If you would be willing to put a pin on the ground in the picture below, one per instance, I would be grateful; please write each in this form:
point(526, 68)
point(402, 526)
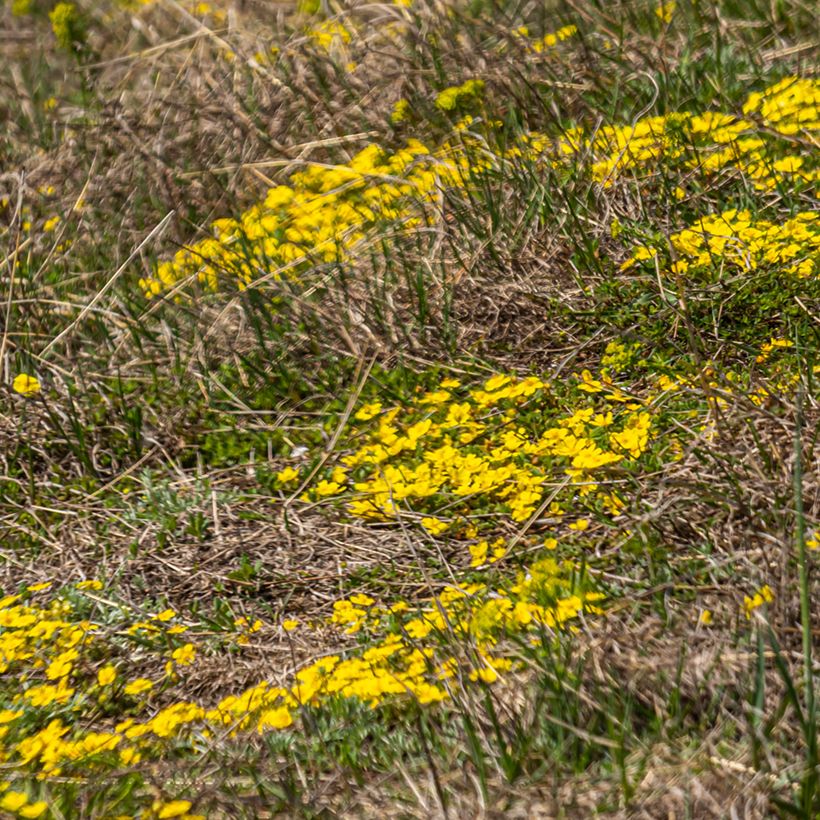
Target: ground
point(409, 409)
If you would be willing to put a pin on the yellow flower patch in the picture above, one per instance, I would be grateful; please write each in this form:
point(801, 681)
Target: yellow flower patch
point(737, 240)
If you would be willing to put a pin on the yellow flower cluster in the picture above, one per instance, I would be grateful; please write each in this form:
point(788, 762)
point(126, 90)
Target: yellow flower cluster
point(736, 239)
point(65, 25)
point(401, 111)
point(553, 38)
point(458, 95)
point(413, 658)
point(320, 217)
point(619, 356)
point(401, 662)
point(326, 211)
point(767, 348)
point(60, 720)
point(58, 717)
point(18, 803)
point(763, 596)
point(329, 35)
point(790, 106)
point(410, 654)
point(467, 450)
point(512, 445)
point(46, 650)
point(713, 141)
point(548, 41)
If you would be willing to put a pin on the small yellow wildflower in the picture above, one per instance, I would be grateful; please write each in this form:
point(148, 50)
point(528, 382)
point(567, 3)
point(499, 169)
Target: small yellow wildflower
point(478, 553)
point(434, 526)
point(763, 596)
point(65, 23)
point(455, 96)
point(279, 718)
point(26, 385)
point(13, 801)
point(287, 475)
point(325, 488)
point(138, 686)
point(130, 756)
point(400, 112)
point(184, 655)
point(665, 11)
point(21, 7)
point(486, 675)
point(175, 808)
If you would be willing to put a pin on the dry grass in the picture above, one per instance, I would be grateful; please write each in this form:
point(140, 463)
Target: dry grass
point(145, 465)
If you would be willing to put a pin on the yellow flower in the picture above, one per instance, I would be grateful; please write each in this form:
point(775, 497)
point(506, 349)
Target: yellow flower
point(706, 617)
point(184, 655)
point(763, 596)
point(138, 686)
point(287, 475)
point(13, 801)
point(665, 11)
point(324, 488)
point(46, 694)
point(130, 756)
point(434, 526)
point(400, 111)
point(478, 553)
point(175, 808)
point(457, 95)
point(33, 809)
point(279, 718)
point(486, 675)
point(368, 411)
point(66, 25)
point(289, 624)
point(106, 675)
point(26, 385)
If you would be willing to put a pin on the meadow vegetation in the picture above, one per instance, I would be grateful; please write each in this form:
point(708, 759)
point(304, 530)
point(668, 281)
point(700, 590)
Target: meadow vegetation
point(409, 409)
